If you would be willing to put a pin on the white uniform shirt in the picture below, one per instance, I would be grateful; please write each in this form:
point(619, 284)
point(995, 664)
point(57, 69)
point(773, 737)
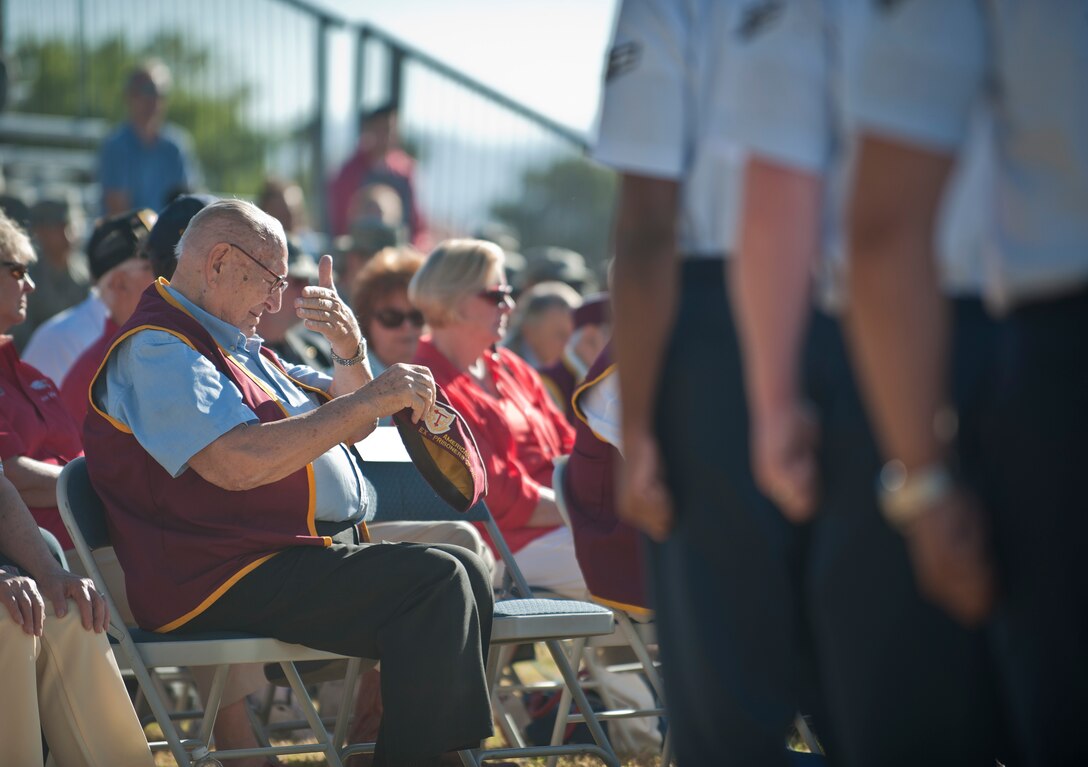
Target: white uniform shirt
point(57, 343)
point(785, 96)
point(922, 67)
point(660, 113)
point(600, 404)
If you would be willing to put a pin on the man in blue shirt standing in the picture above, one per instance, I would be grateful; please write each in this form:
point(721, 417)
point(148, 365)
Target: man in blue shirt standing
point(145, 162)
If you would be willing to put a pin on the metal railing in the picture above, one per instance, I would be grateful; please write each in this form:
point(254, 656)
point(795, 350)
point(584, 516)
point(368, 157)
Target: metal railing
point(252, 82)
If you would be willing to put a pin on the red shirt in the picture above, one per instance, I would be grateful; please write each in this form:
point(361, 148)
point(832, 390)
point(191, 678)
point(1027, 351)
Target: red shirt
point(34, 424)
point(73, 392)
point(519, 434)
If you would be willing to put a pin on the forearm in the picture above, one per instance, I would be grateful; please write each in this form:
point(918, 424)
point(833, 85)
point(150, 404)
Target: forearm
point(770, 279)
point(20, 539)
point(35, 481)
point(898, 319)
point(252, 455)
point(645, 289)
point(348, 378)
point(899, 328)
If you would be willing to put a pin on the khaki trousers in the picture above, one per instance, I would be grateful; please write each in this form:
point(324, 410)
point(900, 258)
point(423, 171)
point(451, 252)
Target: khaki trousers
point(65, 683)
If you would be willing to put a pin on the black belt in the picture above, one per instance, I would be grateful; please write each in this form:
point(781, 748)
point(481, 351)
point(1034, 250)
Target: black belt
point(346, 531)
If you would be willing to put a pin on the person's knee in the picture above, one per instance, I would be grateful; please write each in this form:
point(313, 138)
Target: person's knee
point(435, 567)
point(467, 537)
point(477, 570)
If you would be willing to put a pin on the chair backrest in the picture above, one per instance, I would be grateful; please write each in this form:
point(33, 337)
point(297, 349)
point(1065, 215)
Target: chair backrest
point(558, 478)
point(84, 517)
point(54, 547)
point(400, 493)
point(77, 496)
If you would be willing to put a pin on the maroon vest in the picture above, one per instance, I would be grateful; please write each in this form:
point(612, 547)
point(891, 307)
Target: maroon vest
point(183, 541)
point(609, 551)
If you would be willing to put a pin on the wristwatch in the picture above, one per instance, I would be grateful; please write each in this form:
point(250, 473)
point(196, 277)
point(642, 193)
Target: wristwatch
point(905, 496)
point(359, 357)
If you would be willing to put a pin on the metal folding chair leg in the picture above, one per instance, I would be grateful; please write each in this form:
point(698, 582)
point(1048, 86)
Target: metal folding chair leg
point(577, 648)
point(308, 710)
point(570, 677)
point(347, 702)
point(211, 705)
point(630, 633)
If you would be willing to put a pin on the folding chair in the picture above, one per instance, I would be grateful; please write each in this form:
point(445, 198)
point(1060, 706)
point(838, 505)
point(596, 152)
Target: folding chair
point(401, 494)
point(143, 651)
point(636, 635)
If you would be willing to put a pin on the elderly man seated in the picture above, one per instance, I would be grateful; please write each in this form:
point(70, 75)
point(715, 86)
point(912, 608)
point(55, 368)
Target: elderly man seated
point(232, 487)
point(59, 675)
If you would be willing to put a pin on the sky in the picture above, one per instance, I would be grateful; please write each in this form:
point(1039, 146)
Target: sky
point(546, 54)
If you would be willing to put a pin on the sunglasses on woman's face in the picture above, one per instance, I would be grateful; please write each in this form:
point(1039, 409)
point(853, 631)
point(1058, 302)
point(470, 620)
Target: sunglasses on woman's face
point(394, 318)
point(498, 296)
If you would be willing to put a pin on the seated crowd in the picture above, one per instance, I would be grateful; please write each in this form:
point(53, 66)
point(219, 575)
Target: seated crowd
point(228, 371)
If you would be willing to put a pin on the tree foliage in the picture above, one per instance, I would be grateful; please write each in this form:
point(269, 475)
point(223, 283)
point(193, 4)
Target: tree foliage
point(55, 81)
point(567, 203)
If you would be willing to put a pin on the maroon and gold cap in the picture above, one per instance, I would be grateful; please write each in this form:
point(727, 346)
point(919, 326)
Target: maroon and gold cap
point(444, 451)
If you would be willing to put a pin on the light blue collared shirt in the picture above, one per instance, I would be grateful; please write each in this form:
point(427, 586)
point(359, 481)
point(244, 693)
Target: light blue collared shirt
point(177, 403)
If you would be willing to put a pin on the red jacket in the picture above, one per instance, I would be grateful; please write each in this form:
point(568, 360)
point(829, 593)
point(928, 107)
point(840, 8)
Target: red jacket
point(34, 424)
point(519, 434)
point(183, 542)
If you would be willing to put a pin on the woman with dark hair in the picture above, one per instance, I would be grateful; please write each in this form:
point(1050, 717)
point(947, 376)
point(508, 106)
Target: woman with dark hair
point(391, 325)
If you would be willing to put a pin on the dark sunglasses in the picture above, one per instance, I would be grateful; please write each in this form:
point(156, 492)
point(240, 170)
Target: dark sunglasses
point(498, 296)
point(394, 318)
point(18, 271)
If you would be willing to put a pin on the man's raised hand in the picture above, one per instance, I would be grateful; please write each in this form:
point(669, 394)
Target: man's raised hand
point(322, 310)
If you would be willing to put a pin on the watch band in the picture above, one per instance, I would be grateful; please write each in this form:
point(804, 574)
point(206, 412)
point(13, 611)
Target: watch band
point(906, 496)
point(359, 357)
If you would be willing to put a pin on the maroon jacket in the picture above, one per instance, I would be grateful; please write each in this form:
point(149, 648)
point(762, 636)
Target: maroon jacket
point(609, 551)
point(183, 541)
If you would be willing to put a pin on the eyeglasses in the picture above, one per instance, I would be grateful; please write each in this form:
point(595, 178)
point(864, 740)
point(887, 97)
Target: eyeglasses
point(498, 296)
point(18, 271)
point(279, 284)
point(394, 318)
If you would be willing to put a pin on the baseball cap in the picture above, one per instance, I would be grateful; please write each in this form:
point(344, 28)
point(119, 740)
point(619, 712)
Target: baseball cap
point(550, 263)
point(444, 451)
point(168, 230)
point(595, 310)
point(117, 239)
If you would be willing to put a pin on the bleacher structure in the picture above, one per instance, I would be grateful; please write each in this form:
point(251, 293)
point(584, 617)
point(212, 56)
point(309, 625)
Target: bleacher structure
point(61, 103)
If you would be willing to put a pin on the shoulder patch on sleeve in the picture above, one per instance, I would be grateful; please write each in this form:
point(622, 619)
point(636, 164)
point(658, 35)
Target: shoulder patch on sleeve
point(757, 17)
point(622, 59)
